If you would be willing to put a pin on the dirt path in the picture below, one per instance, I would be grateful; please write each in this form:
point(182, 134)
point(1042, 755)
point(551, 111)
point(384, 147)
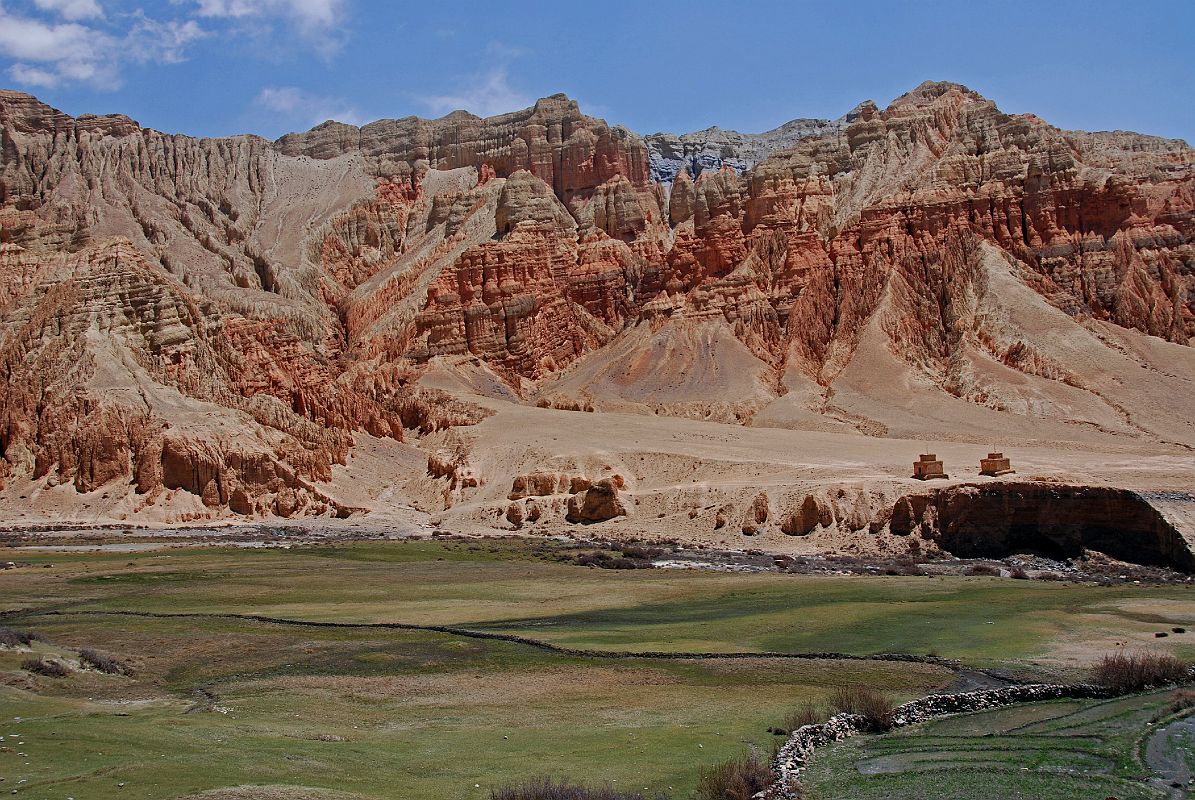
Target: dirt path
point(973, 680)
point(1168, 754)
point(966, 677)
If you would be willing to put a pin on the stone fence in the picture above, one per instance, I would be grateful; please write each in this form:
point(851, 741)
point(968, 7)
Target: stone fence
point(796, 753)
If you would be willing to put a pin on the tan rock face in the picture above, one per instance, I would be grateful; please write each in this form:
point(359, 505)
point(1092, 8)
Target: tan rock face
point(535, 485)
point(757, 514)
point(598, 503)
point(1059, 521)
point(553, 141)
point(166, 299)
point(814, 512)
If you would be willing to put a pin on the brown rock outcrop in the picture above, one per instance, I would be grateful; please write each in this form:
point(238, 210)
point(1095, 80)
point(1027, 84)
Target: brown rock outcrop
point(814, 512)
point(1060, 521)
point(537, 484)
point(756, 515)
point(598, 503)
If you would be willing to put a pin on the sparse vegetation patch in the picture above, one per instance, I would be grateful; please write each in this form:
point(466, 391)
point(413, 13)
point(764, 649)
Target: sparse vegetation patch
point(875, 707)
point(46, 667)
point(734, 779)
point(548, 789)
point(1131, 672)
point(11, 637)
point(101, 662)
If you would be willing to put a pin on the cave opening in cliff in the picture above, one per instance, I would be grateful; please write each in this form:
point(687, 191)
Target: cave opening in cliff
point(1059, 523)
point(1027, 535)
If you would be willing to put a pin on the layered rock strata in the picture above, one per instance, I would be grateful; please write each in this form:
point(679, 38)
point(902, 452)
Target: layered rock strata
point(258, 304)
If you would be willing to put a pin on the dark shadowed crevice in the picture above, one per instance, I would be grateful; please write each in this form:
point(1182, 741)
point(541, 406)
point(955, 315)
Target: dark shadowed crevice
point(996, 520)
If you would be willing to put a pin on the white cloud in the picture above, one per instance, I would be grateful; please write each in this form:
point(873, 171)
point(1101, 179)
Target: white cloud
point(161, 42)
point(294, 106)
point(62, 52)
point(54, 42)
point(487, 94)
point(305, 12)
point(37, 41)
point(45, 54)
point(72, 9)
point(321, 22)
point(33, 76)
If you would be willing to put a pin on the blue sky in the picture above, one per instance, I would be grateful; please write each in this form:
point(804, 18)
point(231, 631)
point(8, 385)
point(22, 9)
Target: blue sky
point(217, 67)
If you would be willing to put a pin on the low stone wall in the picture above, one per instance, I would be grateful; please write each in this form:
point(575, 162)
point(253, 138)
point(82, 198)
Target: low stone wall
point(796, 753)
point(936, 705)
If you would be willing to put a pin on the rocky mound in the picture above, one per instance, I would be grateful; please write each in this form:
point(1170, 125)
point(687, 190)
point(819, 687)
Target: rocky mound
point(713, 148)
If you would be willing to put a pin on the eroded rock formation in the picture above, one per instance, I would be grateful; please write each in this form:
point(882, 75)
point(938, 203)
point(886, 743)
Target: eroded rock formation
point(598, 503)
point(1057, 521)
point(222, 316)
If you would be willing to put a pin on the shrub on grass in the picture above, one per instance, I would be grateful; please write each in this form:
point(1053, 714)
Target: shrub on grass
point(983, 569)
point(734, 779)
point(1018, 573)
point(594, 559)
point(642, 553)
point(1181, 700)
point(101, 662)
point(875, 707)
point(11, 637)
point(1132, 672)
point(905, 566)
point(805, 714)
point(548, 789)
point(46, 667)
point(606, 561)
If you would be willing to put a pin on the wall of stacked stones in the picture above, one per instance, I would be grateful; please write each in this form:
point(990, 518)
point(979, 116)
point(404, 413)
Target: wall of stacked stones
point(796, 753)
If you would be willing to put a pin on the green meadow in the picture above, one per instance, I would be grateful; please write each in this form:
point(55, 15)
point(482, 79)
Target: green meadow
point(220, 701)
point(1060, 750)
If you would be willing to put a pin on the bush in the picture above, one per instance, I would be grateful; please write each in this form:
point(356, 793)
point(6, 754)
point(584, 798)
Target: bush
point(547, 789)
point(606, 561)
point(46, 667)
point(875, 707)
point(101, 662)
point(735, 779)
point(1132, 672)
point(1018, 573)
point(643, 553)
point(1181, 701)
point(905, 566)
point(805, 714)
point(11, 637)
point(594, 559)
point(983, 569)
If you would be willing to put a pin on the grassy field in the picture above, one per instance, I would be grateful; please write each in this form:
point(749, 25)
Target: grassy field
point(216, 702)
point(1053, 751)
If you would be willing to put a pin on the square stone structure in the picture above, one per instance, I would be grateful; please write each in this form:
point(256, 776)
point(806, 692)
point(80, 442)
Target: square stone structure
point(927, 467)
point(995, 464)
